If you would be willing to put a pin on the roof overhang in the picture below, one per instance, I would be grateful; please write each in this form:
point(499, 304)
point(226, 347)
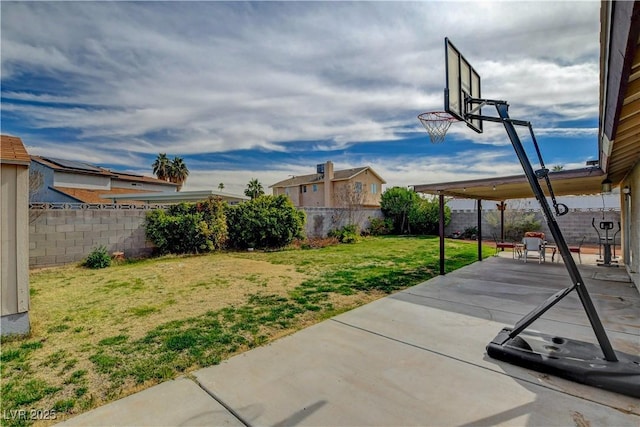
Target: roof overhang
point(177, 197)
point(569, 182)
point(619, 137)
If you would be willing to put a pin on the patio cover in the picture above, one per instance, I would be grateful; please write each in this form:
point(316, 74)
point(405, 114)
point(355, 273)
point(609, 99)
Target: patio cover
point(564, 183)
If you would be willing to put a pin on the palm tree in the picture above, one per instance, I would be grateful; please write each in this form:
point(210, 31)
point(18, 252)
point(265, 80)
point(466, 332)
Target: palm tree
point(254, 189)
point(162, 167)
point(557, 168)
point(221, 186)
point(178, 172)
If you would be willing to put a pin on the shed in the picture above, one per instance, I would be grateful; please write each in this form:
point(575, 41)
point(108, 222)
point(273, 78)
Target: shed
point(14, 236)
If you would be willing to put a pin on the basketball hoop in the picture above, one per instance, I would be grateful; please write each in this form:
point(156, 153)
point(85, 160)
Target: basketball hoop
point(437, 124)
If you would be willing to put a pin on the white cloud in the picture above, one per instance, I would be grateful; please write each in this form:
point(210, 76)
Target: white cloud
point(210, 77)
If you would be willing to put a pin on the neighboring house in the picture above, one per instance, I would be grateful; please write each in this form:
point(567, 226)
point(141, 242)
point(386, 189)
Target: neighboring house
point(177, 197)
point(333, 189)
point(67, 181)
point(14, 226)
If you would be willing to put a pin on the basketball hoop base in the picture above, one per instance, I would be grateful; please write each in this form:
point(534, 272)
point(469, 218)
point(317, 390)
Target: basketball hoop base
point(574, 360)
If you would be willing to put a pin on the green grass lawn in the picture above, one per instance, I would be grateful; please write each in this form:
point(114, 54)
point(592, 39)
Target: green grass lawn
point(98, 335)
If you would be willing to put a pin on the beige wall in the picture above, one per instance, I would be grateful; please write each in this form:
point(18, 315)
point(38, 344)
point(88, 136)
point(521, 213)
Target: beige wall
point(370, 199)
point(14, 269)
point(312, 198)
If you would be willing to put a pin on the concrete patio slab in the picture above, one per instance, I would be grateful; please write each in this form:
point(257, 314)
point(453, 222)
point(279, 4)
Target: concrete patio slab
point(173, 403)
point(338, 375)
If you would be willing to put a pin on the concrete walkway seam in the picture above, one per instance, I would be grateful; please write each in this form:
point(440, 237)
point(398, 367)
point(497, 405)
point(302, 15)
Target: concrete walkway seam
point(221, 402)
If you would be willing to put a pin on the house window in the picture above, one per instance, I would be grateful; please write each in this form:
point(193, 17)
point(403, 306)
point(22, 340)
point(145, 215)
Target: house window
point(286, 191)
point(303, 188)
point(358, 187)
point(374, 188)
point(315, 188)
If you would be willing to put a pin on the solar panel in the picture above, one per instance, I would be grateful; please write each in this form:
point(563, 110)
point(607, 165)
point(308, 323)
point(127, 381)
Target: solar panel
point(70, 164)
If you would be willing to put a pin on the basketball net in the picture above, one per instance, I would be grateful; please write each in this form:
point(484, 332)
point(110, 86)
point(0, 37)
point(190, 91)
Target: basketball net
point(437, 124)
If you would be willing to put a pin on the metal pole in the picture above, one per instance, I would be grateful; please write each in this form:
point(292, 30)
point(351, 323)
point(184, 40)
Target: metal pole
point(596, 324)
point(502, 207)
point(479, 235)
point(441, 232)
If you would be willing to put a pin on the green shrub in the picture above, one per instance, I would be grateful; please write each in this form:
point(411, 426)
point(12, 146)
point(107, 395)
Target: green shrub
point(470, 233)
point(266, 222)
point(409, 213)
point(98, 258)
point(424, 216)
point(188, 227)
point(347, 234)
point(396, 203)
point(380, 226)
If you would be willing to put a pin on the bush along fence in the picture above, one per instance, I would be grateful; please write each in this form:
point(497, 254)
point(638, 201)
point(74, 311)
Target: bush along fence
point(66, 233)
point(575, 225)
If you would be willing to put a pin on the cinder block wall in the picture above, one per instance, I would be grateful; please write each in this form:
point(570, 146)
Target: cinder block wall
point(322, 220)
point(62, 236)
point(574, 225)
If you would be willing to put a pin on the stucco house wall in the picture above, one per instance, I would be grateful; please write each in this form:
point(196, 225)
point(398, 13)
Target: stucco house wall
point(74, 180)
point(312, 195)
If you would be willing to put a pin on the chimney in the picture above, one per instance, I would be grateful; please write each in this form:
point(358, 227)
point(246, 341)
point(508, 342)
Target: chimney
point(328, 185)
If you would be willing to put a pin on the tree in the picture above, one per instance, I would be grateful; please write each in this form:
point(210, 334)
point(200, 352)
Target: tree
point(516, 221)
point(557, 168)
point(178, 172)
point(350, 197)
point(396, 203)
point(162, 166)
point(254, 189)
point(424, 216)
point(221, 186)
point(36, 182)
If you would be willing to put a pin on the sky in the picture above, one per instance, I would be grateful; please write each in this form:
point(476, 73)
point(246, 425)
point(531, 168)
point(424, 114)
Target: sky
point(266, 90)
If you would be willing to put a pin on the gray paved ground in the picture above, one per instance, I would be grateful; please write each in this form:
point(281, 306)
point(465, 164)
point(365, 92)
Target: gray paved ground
point(413, 358)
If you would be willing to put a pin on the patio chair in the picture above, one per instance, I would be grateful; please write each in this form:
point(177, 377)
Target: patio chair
point(578, 249)
point(533, 244)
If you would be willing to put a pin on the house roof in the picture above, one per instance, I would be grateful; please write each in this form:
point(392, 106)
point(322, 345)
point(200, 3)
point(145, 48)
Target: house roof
point(340, 175)
point(97, 196)
point(12, 151)
point(140, 178)
point(72, 166)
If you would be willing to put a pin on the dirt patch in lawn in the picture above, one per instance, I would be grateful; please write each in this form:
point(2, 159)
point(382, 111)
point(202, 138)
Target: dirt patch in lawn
point(147, 294)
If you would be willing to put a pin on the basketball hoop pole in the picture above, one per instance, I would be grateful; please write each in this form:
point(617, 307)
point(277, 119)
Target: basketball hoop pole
point(577, 283)
point(579, 362)
point(568, 358)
